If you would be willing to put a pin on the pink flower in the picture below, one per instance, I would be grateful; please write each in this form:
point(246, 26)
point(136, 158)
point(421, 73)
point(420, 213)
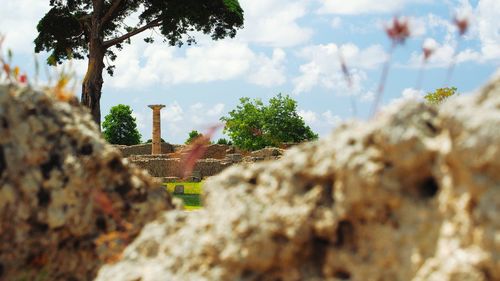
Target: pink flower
point(398, 31)
point(23, 79)
point(428, 48)
point(462, 24)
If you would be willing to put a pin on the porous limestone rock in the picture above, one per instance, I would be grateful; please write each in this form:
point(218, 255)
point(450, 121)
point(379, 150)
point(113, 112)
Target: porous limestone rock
point(68, 201)
point(412, 195)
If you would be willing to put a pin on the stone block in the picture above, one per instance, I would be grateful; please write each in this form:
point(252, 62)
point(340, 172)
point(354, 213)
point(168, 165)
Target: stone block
point(234, 157)
point(179, 189)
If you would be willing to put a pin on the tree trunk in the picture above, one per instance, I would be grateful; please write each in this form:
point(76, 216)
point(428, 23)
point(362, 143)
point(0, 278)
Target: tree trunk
point(92, 83)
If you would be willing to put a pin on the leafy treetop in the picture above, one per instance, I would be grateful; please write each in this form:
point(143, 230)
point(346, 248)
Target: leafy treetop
point(440, 95)
point(253, 125)
point(192, 136)
point(224, 141)
point(119, 126)
point(70, 25)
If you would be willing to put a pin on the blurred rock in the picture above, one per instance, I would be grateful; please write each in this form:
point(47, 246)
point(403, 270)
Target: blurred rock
point(68, 201)
point(412, 195)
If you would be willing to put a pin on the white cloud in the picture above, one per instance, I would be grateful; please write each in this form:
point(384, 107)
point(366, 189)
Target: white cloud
point(274, 22)
point(324, 69)
point(367, 97)
point(142, 65)
point(417, 26)
point(320, 122)
point(310, 117)
point(216, 110)
point(336, 23)
point(331, 119)
point(270, 71)
point(18, 20)
point(172, 113)
point(356, 7)
point(489, 28)
point(139, 119)
point(408, 94)
point(483, 26)
point(222, 60)
point(443, 56)
point(197, 106)
point(179, 119)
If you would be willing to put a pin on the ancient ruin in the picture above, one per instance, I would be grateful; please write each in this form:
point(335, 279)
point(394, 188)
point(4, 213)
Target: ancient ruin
point(167, 166)
point(165, 161)
point(156, 138)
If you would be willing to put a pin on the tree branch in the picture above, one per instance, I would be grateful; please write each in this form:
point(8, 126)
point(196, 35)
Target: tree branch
point(124, 37)
point(111, 11)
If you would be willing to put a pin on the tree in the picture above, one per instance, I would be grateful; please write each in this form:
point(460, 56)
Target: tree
point(253, 125)
point(192, 136)
point(224, 141)
point(440, 95)
point(120, 127)
point(96, 29)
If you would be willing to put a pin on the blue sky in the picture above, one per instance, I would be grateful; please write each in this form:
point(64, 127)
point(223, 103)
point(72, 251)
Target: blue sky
point(291, 47)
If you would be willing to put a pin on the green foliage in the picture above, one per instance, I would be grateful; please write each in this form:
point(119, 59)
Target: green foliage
point(440, 95)
point(253, 125)
point(192, 136)
point(68, 26)
point(224, 141)
point(189, 187)
point(191, 196)
point(191, 201)
point(119, 126)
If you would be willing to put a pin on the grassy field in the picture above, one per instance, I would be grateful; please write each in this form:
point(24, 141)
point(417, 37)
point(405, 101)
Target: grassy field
point(191, 196)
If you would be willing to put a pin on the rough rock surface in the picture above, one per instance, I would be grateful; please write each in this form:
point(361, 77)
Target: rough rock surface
point(68, 201)
point(412, 195)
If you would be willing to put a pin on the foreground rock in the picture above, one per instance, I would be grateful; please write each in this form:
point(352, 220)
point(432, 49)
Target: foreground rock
point(68, 201)
point(412, 195)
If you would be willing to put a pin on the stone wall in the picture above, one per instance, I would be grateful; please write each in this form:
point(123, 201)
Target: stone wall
point(160, 167)
point(143, 149)
point(210, 167)
point(216, 151)
point(411, 195)
point(216, 158)
point(166, 167)
point(211, 163)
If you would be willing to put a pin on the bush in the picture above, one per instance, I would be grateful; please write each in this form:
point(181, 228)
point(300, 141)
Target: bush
point(253, 125)
point(119, 126)
point(440, 95)
point(224, 141)
point(192, 136)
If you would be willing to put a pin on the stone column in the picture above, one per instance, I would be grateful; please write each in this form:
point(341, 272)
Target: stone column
point(156, 140)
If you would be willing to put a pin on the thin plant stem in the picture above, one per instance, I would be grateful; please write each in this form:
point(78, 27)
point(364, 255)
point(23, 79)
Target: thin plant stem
point(348, 78)
point(383, 80)
point(420, 78)
point(353, 106)
point(451, 68)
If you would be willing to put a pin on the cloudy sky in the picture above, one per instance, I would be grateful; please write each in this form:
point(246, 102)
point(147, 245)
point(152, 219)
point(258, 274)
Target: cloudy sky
point(291, 47)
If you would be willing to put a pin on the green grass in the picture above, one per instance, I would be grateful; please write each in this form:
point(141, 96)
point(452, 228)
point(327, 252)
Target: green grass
point(189, 187)
point(191, 196)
